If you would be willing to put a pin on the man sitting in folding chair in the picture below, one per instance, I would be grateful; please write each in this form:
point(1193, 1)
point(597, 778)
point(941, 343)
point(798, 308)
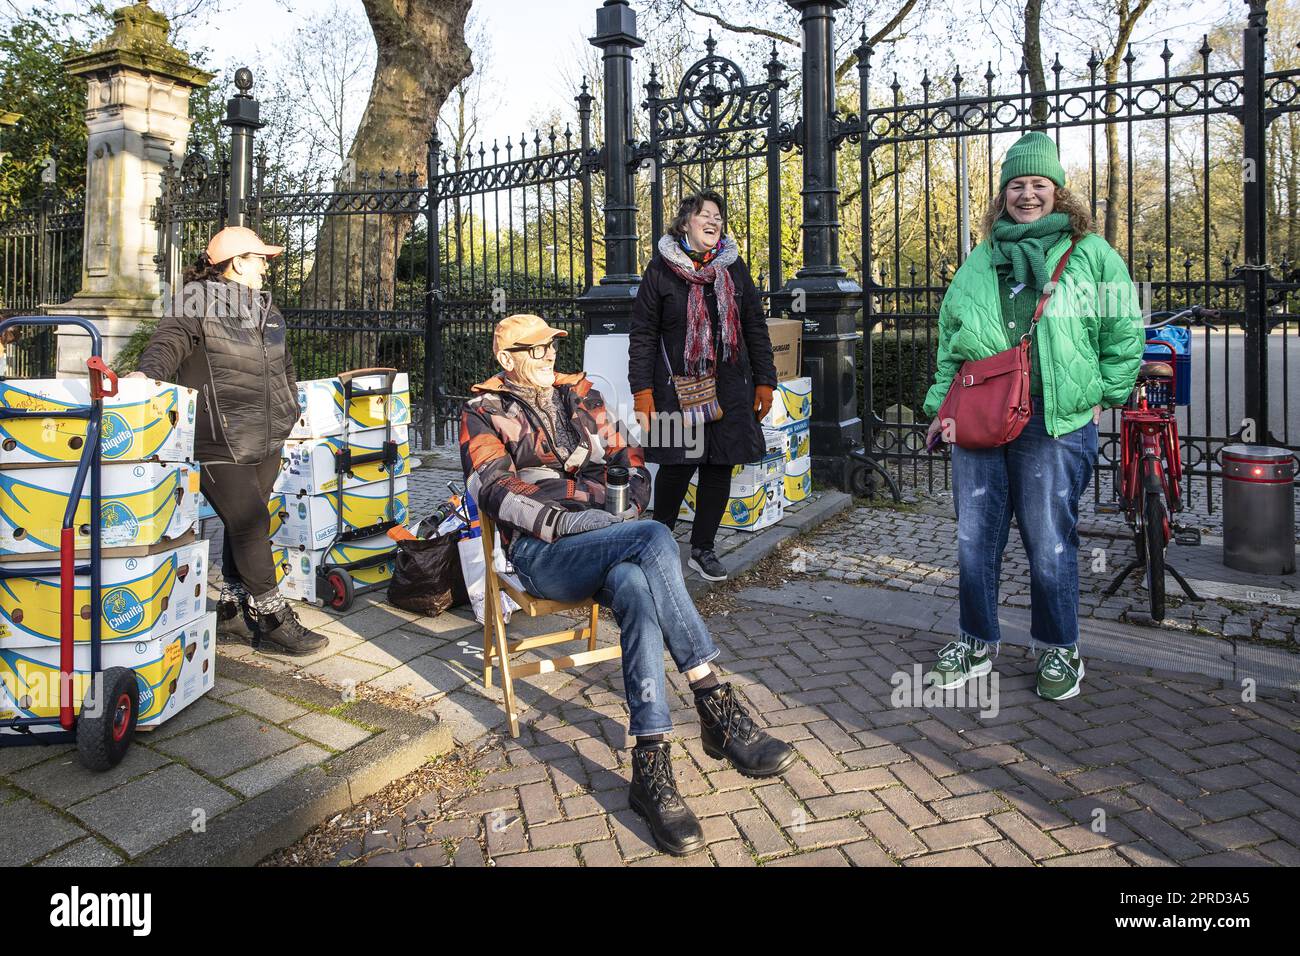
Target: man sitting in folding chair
point(534, 446)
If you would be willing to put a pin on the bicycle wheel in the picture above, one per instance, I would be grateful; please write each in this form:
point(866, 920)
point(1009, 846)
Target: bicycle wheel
point(1154, 532)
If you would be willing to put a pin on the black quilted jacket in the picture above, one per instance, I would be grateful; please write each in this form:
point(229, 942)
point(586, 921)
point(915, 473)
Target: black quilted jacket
point(228, 343)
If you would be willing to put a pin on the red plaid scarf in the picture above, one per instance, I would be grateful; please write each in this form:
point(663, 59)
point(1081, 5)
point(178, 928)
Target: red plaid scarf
point(699, 339)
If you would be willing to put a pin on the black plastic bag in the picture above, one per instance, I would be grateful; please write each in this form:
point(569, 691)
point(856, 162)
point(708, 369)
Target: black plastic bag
point(428, 578)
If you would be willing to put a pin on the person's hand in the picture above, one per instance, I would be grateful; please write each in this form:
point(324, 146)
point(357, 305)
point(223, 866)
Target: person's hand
point(629, 513)
point(136, 375)
point(1096, 414)
point(762, 400)
point(579, 522)
point(936, 428)
point(644, 404)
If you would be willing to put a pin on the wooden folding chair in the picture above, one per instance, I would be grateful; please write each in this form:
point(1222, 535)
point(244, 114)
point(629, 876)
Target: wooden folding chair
point(498, 648)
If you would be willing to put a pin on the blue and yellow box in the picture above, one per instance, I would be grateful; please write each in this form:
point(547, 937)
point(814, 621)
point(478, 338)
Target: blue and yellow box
point(171, 672)
point(798, 444)
point(295, 568)
point(142, 597)
point(321, 412)
point(754, 512)
point(798, 479)
point(143, 504)
point(144, 420)
point(311, 521)
point(791, 402)
point(309, 466)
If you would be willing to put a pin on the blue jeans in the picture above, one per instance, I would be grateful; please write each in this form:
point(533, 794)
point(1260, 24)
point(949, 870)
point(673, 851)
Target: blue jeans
point(635, 569)
point(1039, 479)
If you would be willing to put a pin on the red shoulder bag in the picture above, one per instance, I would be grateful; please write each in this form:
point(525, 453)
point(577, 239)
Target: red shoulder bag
point(988, 403)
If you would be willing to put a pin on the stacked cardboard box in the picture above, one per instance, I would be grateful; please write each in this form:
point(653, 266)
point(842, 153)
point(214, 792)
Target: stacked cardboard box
point(791, 410)
point(153, 571)
point(309, 491)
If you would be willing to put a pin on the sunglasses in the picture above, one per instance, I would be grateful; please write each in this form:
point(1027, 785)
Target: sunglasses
point(535, 351)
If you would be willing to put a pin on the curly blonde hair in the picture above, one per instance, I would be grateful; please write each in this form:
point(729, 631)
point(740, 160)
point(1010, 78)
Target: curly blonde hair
point(1067, 202)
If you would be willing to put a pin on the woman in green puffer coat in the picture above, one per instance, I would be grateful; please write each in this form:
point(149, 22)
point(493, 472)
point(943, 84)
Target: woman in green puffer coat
point(1085, 354)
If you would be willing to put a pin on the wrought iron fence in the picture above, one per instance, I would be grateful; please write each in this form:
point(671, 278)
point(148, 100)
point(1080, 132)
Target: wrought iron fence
point(40, 265)
point(1174, 142)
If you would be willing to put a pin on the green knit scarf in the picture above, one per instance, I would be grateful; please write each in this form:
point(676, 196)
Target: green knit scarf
point(1025, 246)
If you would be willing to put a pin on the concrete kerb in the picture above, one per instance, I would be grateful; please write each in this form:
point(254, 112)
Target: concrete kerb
point(275, 819)
point(765, 542)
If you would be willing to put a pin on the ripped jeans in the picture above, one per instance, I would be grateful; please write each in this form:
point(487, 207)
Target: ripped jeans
point(1039, 479)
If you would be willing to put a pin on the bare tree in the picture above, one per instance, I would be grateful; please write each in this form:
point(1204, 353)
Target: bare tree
point(1034, 61)
point(421, 55)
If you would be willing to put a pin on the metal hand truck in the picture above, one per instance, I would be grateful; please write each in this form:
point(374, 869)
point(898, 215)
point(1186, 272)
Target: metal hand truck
point(106, 724)
point(333, 578)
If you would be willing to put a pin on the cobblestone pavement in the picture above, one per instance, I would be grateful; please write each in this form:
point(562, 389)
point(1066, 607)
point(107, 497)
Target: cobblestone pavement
point(916, 550)
point(1144, 768)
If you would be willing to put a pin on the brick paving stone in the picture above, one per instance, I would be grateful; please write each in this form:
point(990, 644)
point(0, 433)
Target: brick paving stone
point(949, 836)
point(731, 853)
point(817, 858)
point(964, 808)
point(842, 804)
point(961, 857)
point(1004, 853)
point(1091, 858)
point(906, 807)
point(1232, 834)
point(504, 832)
point(826, 833)
point(892, 835)
point(600, 853)
point(559, 856)
point(1036, 844)
point(866, 853)
point(538, 802)
point(919, 781)
point(1142, 853)
point(761, 833)
point(1164, 837)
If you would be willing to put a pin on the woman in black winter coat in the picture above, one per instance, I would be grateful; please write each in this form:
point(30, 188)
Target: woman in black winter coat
point(697, 311)
point(224, 338)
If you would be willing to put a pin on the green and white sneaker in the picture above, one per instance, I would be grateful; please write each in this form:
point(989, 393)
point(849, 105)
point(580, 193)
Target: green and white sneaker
point(958, 662)
point(1060, 669)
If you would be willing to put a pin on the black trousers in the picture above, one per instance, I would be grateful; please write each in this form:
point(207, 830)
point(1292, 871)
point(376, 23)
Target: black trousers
point(714, 487)
point(238, 494)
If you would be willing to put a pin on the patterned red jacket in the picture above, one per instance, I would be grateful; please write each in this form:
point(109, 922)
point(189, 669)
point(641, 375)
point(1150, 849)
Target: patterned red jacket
point(508, 456)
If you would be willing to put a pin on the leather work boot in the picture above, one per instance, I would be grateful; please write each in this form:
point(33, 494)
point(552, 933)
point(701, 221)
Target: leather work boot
point(285, 634)
point(232, 615)
point(654, 796)
point(728, 732)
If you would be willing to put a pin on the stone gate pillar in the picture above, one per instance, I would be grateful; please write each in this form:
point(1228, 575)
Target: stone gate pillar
point(137, 117)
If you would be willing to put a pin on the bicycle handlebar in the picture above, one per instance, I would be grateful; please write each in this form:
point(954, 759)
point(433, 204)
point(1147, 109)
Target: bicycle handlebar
point(1198, 314)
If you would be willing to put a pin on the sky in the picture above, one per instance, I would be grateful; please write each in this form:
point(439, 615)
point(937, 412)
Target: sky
point(534, 45)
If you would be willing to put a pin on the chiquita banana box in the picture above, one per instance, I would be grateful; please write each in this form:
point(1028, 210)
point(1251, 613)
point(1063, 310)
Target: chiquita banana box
point(798, 440)
point(144, 420)
point(795, 395)
point(311, 521)
point(321, 412)
point(295, 568)
point(142, 503)
point(798, 479)
point(171, 672)
point(309, 466)
point(274, 507)
point(747, 479)
point(141, 598)
point(765, 507)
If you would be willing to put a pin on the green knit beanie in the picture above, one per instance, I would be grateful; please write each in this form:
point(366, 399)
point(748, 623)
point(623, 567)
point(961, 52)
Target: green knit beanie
point(1034, 154)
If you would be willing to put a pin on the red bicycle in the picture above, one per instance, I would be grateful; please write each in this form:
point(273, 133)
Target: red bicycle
point(1149, 480)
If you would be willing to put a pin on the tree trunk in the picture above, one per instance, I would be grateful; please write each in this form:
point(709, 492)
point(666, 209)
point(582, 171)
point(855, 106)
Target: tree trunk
point(421, 57)
point(1128, 18)
point(1034, 61)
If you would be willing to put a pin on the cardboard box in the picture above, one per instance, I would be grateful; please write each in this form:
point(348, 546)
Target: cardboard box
point(799, 440)
point(787, 347)
point(142, 503)
point(798, 479)
point(765, 507)
point(320, 404)
point(172, 671)
point(144, 420)
point(311, 521)
point(142, 597)
point(747, 479)
point(295, 568)
point(796, 396)
point(309, 464)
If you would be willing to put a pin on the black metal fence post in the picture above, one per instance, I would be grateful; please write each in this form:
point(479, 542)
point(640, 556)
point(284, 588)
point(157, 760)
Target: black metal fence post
point(432, 293)
point(584, 100)
point(821, 293)
point(242, 118)
point(608, 306)
point(1254, 271)
point(775, 84)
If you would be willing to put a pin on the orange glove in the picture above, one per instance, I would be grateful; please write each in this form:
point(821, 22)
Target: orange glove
point(644, 404)
point(762, 400)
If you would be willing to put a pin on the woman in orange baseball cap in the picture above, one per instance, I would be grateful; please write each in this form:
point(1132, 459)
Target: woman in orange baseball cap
point(224, 338)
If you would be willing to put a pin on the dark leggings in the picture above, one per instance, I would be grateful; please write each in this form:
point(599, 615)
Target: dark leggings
point(238, 494)
point(710, 498)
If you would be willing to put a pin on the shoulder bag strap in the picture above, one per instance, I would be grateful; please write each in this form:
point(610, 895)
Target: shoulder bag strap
point(1051, 286)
